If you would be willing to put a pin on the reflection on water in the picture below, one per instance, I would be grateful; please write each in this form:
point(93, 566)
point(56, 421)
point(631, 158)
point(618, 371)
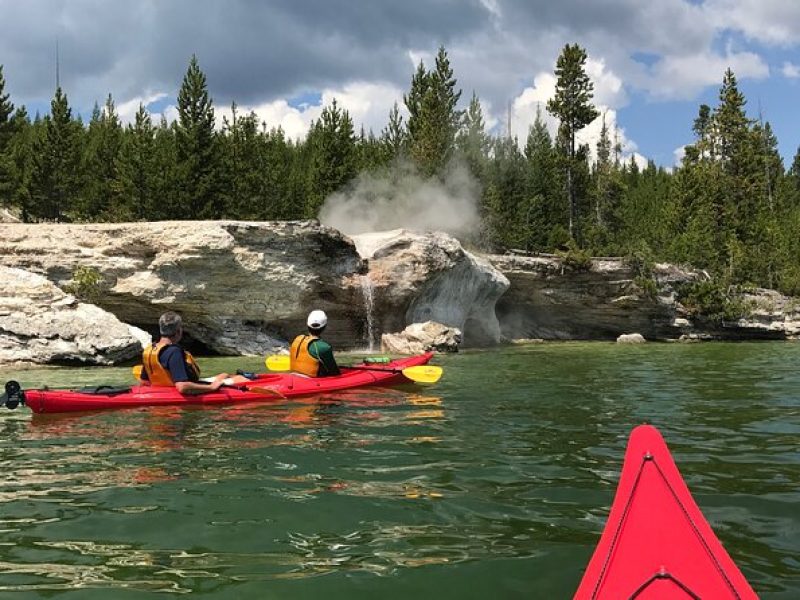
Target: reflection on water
point(495, 482)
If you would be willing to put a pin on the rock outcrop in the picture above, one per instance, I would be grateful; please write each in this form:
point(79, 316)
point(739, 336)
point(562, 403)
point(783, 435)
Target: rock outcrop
point(422, 337)
point(246, 288)
point(770, 315)
point(242, 287)
point(418, 277)
point(549, 299)
point(40, 323)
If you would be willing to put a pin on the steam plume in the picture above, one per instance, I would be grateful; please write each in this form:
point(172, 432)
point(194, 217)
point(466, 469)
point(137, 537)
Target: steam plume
point(401, 197)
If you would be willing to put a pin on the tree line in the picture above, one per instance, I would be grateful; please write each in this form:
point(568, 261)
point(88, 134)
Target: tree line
point(731, 207)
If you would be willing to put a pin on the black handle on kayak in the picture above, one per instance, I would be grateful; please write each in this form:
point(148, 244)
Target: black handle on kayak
point(13, 396)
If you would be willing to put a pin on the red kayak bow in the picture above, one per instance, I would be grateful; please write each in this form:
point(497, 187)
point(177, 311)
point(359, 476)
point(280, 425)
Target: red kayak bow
point(656, 543)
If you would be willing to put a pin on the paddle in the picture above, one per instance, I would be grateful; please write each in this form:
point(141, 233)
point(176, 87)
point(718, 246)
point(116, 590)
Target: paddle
point(420, 374)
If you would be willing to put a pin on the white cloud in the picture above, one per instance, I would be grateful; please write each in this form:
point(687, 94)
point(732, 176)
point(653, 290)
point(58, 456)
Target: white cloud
point(608, 88)
point(368, 104)
point(679, 153)
point(790, 70)
point(128, 109)
point(769, 21)
point(684, 76)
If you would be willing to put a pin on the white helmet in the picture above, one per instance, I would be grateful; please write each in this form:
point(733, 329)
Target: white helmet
point(317, 319)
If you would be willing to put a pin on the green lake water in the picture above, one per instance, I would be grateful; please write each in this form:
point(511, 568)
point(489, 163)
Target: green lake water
point(493, 483)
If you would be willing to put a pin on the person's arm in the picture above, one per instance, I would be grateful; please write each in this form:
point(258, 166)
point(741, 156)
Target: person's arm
point(176, 365)
point(322, 351)
point(191, 387)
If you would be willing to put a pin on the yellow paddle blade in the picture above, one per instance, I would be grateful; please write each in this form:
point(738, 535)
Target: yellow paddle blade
point(277, 362)
point(423, 373)
point(137, 371)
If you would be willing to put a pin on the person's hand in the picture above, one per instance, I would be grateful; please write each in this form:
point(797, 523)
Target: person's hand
point(218, 381)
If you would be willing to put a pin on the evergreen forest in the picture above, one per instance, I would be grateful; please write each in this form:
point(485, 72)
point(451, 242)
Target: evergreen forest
point(731, 207)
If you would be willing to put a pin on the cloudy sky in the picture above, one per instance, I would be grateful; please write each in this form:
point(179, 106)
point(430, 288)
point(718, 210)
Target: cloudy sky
point(653, 61)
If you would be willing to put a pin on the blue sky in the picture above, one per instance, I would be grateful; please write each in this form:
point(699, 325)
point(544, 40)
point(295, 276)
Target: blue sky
point(653, 62)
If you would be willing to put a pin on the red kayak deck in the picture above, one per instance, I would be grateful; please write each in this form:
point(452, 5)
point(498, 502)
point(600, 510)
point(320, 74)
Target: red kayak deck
point(656, 543)
point(268, 387)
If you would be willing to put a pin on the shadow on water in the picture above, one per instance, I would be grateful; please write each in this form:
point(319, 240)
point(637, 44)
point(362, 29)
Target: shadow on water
point(493, 483)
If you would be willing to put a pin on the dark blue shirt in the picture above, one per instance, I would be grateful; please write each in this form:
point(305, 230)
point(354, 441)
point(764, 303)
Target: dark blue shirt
point(173, 360)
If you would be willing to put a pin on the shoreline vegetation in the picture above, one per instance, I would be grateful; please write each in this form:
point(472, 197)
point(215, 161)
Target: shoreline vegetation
point(731, 208)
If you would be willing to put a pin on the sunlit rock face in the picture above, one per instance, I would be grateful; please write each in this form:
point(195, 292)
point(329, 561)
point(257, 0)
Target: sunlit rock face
point(770, 315)
point(39, 323)
point(241, 287)
point(418, 277)
point(548, 299)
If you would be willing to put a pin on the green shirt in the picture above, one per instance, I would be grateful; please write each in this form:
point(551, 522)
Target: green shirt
point(323, 352)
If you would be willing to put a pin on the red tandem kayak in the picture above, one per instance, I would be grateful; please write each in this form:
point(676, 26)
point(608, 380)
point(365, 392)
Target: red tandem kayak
point(656, 543)
point(267, 387)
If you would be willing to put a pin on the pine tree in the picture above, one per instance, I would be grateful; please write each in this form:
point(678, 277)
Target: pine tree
point(196, 146)
point(134, 185)
point(371, 152)
point(231, 165)
point(394, 136)
point(331, 147)
point(433, 119)
point(168, 178)
point(603, 168)
point(19, 162)
point(731, 125)
point(6, 133)
point(608, 193)
point(472, 141)
point(703, 131)
point(572, 105)
point(505, 195)
point(794, 171)
point(283, 177)
point(542, 211)
point(55, 176)
point(103, 141)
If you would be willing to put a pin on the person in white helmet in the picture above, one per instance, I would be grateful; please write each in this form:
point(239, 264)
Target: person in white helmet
point(311, 355)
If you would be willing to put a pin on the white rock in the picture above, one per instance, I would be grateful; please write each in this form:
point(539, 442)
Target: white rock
point(40, 323)
point(631, 338)
point(422, 337)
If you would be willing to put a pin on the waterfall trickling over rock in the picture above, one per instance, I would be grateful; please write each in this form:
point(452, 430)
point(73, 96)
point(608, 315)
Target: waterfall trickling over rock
point(368, 291)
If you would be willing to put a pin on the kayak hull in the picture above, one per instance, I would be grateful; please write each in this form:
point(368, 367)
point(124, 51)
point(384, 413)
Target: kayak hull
point(656, 543)
point(268, 387)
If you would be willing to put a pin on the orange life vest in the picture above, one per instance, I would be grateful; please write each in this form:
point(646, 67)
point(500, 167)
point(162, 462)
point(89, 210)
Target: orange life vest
point(300, 359)
point(156, 373)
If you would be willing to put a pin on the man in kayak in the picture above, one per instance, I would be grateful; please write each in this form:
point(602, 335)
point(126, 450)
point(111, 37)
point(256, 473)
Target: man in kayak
point(165, 363)
point(311, 355)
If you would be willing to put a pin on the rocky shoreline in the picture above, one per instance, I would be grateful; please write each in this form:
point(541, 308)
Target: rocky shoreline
point(245, 288)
